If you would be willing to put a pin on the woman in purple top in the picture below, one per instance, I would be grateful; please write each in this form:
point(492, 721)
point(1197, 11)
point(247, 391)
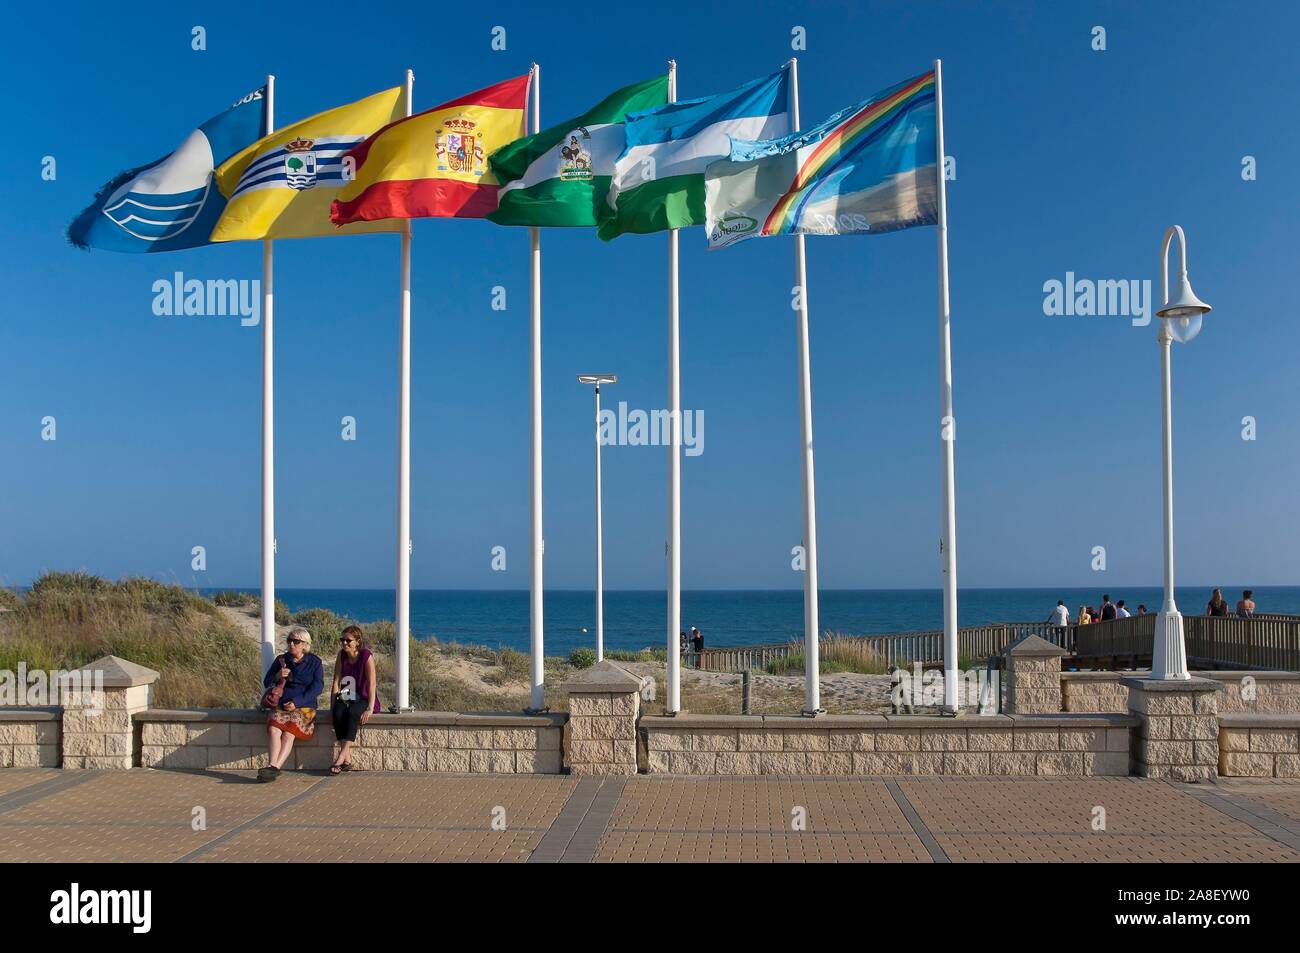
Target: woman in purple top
point(353, 692)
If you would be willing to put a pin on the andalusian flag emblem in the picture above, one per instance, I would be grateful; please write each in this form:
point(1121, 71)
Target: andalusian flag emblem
point(560, 176)
point(869, 168)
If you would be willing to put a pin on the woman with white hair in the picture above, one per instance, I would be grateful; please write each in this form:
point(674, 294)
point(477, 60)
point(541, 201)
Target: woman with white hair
point(292, 683)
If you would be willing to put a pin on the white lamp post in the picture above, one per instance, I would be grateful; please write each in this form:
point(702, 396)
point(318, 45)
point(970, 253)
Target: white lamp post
point(599, 379)
point(1180, 320)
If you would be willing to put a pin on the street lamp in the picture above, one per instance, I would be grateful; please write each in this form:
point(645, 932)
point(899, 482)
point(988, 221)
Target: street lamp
point(1180, 320)
point(599, 379)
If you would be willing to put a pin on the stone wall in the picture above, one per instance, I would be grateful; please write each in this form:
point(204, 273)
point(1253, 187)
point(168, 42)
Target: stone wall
point(1033, 677)
point(29, 737)
point(1264, 693)
point(1259, 746)
point(504, 742)
point(1244, 692)
point(889, 744)
point(1093, 692)
point(1178, 735)
point(604, 705)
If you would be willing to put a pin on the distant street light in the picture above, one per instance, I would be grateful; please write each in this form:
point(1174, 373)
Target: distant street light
point(1180, 320)
point(599, 379)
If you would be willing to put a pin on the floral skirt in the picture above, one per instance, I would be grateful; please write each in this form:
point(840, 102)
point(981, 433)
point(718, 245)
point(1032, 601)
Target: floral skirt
point(301, 722)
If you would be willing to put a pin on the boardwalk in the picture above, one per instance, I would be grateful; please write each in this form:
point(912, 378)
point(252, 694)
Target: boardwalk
point(50, 815)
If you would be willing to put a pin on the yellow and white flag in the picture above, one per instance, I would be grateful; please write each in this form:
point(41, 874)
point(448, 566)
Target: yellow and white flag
point(282, 186)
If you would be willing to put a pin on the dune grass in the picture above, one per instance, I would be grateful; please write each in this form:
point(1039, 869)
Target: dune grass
point(836, 653)
point(70, 619)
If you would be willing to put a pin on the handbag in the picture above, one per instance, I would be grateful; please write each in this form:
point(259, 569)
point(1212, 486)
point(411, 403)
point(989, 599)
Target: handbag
point(271, 699)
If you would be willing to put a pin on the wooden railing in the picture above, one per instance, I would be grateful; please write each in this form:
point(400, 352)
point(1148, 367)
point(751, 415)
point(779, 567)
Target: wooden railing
point(1265, 642)
point(1269, 642)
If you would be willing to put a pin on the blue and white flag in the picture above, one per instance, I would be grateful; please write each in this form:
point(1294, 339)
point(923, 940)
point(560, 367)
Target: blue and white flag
point(172, 203)
point(658, 180)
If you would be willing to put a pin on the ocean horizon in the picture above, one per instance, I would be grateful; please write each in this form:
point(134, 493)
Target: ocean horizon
point(635, 618)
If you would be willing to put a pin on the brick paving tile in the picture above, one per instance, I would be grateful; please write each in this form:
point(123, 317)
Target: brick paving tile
point(394, 817)
point(1100, 847)
point(749, 819)
point(137, 815)
point(1282, 797)
point(14, 779)
point(1063, 806)
point(757, 804)
point(276, 843)
point(97, 843)
point(763, 847)
point(434, 801)
point(162, 798)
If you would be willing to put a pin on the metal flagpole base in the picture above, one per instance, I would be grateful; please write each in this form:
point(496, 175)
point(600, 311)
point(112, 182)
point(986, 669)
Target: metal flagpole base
point(948, 711)
point(1169, 651)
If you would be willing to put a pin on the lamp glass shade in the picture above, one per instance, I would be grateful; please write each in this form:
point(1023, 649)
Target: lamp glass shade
point(1182, 328)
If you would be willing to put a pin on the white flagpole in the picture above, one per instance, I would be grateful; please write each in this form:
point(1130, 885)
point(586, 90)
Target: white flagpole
point(947, 424)
point(674, 702)
point(600, 547)
point(268, 426)
point(811, 631)
point(402, 701)
point(538, 543)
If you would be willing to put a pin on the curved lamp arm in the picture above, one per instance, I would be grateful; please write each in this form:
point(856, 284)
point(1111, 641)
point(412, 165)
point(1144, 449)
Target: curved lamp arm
point(1164, 259)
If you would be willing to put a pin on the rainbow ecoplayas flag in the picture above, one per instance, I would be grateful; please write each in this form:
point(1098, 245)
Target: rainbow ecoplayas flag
point(869, 168)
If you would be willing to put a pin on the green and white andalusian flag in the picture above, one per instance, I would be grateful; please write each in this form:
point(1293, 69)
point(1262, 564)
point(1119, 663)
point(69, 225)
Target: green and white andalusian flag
point(559, 176)
point(659, 179)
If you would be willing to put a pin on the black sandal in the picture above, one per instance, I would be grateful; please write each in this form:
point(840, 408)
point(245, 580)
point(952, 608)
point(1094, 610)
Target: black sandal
point(334, 770)
point(346, 766)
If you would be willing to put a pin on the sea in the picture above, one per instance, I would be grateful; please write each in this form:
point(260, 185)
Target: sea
point(635, 619)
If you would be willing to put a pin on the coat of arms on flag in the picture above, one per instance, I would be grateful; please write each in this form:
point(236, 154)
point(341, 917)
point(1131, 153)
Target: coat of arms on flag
point(575, 157)
point(300, 164)
point(458, 148)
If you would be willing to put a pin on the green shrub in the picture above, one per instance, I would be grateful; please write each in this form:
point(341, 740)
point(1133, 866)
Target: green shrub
point(582, 658)
point(237, 600)
point(325, 628)
point(80, 582)
point(512, 666)
point(163, 597)
point(645, 655)
point(381, 636)
point(282, 614)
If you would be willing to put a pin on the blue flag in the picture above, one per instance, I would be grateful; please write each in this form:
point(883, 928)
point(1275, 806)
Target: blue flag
point(172, 203)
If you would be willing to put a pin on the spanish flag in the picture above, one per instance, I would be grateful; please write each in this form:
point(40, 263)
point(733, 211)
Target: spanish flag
point(281, 186)
point(435, 163)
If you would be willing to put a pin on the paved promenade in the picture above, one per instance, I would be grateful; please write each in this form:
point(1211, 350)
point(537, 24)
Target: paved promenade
point(207, 817)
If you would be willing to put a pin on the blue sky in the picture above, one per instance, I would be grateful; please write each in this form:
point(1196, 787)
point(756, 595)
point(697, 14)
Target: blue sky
point(1068, 159)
